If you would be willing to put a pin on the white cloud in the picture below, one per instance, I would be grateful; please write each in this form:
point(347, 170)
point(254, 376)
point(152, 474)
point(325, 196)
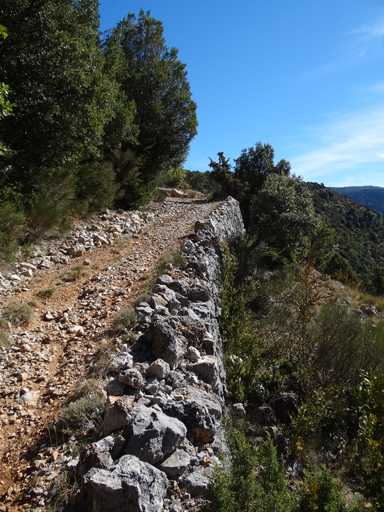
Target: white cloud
point(357, 47)
point(348, 143)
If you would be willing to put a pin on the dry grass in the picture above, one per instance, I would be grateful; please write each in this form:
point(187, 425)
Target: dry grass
point(17, 314)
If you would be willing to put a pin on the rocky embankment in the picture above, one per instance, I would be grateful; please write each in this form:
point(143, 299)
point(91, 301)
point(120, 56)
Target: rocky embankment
point(166, 399)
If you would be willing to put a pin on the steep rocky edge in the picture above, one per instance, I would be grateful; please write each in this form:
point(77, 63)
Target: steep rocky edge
point(59, 345)
point(166, 402)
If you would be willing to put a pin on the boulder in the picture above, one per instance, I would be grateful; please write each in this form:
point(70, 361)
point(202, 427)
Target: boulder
point(197, 484)
point(153, 434)
point(97, 455)
point(176, 464)
point(130, 485)
point(285, 405)
point(159, 369)
point(118, 413)
point(197, 410)
point(121, 362)
point(165, 341)
point(132, 377)
point(178, 193)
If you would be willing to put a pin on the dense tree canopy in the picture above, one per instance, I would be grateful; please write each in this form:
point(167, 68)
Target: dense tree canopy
point(151, 77)
point(254, 165)
point(97, 121)
point(53, 65)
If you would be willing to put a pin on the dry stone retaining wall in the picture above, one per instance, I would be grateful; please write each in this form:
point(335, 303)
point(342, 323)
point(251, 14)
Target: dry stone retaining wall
point(166, 400)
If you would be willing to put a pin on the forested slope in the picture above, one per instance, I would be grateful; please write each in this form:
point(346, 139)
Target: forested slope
point(370, 196)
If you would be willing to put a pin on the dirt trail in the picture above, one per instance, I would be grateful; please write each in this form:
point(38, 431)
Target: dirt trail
point(48, 358)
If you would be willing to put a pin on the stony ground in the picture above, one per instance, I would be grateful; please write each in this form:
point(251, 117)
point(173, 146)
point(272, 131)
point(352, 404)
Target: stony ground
point(51, 355)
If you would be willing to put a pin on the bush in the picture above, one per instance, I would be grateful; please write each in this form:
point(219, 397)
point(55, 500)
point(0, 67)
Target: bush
point(370, 446)
point(159, 195)
point(319, 493)
point(76, 272)
point(255, 481)
point(11, 227)
point(345, 344)
point(124, 319)
point(51, 203)
point(5, 340)
point(172, 257)
point(46, 293)
point(86, 413)
point(96, 185)
point(17, 314)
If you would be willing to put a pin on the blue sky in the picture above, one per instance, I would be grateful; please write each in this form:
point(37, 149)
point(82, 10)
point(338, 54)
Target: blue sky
point(305, 76)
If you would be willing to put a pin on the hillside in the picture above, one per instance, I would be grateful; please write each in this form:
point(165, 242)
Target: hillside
point(369, 196)
point(360, 229)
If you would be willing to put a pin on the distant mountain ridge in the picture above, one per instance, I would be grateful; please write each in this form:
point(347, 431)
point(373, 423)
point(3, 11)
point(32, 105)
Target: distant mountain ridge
point(368, 195)
point(360, 229)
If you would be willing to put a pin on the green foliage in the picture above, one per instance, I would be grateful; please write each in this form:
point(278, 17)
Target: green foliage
point(200, 181)
point(159, 196)
point(225, 182)
point(65, 97)
point(50, 204)
point(75, 273)
point(370, 454)
point(173, 257)
point(46, 293)
point(241, 350)
point(370, 196)
point(360, 232)
point(3, 32)
point(255, 481)
point(150, 76)
point(124, 319)
point(282, 215)
point(319, 493)
point(339, 268)
point(96, 185)
point(377, 280)
point(175, 177)
point(84, 413)
point(5, 106)
point(11, 227)
point(17, 314)
point(346, 345)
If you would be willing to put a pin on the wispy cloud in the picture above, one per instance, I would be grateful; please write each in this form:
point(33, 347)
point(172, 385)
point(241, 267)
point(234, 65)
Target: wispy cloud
point(348, 143)
point(357, 47)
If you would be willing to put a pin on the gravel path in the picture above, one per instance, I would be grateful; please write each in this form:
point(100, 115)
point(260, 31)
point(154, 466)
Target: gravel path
point(55, 352)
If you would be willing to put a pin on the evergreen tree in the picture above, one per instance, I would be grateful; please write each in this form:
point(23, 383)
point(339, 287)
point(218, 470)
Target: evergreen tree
point(53, 65)
point(152, 78)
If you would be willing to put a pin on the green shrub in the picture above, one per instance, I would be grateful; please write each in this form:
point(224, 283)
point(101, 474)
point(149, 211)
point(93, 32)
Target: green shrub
point(86, 413)
point(96, 185)
point(76, 272)
point(172, 257)
point(11, 227)
point(17, 314)
point(369, 454)
point(124, 319)
point(5, 340)
point(159, 195)
point(319, 493)
point(46, 293)
point(103, 358)
point(254, 482)
point(51, 203)
point(345, 344)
